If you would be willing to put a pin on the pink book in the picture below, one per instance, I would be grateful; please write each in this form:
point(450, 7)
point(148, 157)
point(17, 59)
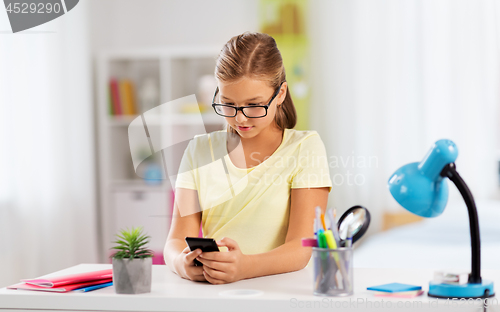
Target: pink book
point(65, 288)
point(58, 281)
point(404, 294)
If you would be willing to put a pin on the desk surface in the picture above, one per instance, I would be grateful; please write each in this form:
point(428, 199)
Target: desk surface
point(282, 292)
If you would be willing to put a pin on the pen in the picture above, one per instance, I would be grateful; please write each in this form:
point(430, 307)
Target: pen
point(330, 240)
point(318, 217)
point(335, 264)
point(330, 218)
point(90, 288)
point(315, 228)
point(332, 244)
point(314, 243)
point(322, 239)
point(335, 230)
point(330, 235)
point(325, 266)
point(333, 226)
point(320, 264)
point(348, 242)
point(323, 221)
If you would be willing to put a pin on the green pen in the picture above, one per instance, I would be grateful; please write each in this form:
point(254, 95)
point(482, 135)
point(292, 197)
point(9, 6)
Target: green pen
point(325, 267)
point(322, 239)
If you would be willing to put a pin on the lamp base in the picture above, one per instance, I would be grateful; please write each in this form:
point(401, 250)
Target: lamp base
point(482, 290)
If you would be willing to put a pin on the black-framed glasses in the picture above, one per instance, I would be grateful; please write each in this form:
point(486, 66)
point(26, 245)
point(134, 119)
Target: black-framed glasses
point(253, 111)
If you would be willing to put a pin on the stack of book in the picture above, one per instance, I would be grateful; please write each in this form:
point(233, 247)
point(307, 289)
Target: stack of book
point(397, 290)
point(74, 282)
point(122, 99)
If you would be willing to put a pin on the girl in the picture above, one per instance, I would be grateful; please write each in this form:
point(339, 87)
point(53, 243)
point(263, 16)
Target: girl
point(253, 187)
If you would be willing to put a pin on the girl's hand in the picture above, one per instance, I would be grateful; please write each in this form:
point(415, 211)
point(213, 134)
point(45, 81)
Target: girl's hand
point(184, 265)
point(224, 267)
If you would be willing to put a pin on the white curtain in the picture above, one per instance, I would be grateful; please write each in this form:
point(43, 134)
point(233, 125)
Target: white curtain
point(390, 78)
point(47, 188)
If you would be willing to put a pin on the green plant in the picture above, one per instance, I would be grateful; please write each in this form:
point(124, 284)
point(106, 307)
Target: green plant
point(132, 244)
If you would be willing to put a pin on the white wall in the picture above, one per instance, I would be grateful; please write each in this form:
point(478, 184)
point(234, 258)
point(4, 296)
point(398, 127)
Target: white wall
point(131, 23)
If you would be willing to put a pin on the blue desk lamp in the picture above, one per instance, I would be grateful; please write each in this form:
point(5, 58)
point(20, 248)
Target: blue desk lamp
point(421, 188)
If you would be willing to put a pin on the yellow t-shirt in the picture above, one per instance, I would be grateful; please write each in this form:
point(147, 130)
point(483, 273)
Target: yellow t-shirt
point(251, 206)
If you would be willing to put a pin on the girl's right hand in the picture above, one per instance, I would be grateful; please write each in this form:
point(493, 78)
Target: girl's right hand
point(184, 265)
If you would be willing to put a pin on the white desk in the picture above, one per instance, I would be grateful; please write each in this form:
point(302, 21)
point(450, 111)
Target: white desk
point(283, 292)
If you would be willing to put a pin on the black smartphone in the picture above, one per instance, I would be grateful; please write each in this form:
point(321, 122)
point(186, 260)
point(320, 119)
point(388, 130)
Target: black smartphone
point(205, 244)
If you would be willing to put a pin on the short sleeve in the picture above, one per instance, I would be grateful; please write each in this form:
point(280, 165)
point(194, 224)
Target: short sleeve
point(186, 175)
point(312, 165)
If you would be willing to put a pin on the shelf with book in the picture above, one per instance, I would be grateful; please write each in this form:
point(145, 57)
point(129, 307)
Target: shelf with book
point(138, 83)
point(132, 85)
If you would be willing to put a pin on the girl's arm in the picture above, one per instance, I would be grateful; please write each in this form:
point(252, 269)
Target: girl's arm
point(186, 219)
point(291, 256)
point(227, 267)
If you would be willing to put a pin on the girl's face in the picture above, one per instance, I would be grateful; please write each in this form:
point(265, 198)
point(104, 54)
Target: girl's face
point(248, 92)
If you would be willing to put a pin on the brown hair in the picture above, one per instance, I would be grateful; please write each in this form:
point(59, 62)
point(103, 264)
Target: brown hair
point(256, 55)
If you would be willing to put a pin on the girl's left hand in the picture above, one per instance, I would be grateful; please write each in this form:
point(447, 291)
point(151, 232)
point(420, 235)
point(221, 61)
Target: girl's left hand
point(224, 267)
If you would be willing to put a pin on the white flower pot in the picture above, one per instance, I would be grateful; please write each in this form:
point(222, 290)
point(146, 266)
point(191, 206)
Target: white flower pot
point(132, 276)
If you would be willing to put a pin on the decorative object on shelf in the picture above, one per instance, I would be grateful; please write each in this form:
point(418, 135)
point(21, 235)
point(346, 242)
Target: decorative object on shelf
point(132, 264)
point(149, 95)
point(201, 101)
point(421, 188)
point(153, 173)
point(193, 108)
point(206, 87)
point(149, 169)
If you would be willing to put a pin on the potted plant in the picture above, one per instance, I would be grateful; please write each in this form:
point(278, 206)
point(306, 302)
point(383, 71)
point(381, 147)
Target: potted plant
point(132, 264)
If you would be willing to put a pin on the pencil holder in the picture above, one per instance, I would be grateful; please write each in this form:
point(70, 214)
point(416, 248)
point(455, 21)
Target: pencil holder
point(333, 274)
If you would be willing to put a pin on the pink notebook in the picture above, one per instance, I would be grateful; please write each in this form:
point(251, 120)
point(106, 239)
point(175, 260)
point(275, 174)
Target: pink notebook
point(404, 294)
point(58, 281)
point(65, 288)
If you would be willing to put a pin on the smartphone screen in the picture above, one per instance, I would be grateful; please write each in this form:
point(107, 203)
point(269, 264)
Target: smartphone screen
point(205, 244)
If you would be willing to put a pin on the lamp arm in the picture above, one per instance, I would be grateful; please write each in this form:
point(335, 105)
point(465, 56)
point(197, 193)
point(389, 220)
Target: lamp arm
point(450, 172)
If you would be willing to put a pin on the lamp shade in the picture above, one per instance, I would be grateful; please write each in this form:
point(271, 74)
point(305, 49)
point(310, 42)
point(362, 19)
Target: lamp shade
point(419, 187)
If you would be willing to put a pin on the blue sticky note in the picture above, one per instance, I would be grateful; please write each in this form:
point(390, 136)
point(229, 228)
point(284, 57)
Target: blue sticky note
point(394, 287)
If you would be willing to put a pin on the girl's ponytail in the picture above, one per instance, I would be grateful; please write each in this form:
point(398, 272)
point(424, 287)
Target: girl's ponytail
point(286, 115)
